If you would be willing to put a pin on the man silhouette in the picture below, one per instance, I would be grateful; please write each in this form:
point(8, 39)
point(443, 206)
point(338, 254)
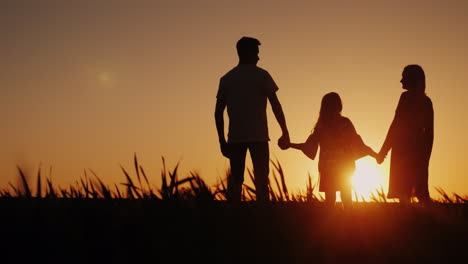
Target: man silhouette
point(245, 90)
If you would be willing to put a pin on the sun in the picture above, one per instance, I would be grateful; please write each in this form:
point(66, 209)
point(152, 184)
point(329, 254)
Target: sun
point(368, 178)
point(106, 78)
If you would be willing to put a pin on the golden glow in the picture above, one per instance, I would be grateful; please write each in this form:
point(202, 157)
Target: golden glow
point(368, 178)
point(105, 78)
point(144, 82)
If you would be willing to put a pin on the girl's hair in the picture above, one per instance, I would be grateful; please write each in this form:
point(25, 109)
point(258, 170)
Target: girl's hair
point(330, 109)
point(415, 74)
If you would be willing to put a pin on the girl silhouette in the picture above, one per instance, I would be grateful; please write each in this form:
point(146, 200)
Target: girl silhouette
point(340, 146)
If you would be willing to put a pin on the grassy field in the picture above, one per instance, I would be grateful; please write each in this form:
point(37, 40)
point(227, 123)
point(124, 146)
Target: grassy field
point(184, 220)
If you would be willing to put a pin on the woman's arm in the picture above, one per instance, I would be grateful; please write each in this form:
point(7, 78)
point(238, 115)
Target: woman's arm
point(394, 129)
point(429, 130)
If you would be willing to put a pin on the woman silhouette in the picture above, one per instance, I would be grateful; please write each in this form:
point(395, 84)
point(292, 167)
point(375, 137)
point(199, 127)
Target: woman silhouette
point(340, 147)
point(410, 137)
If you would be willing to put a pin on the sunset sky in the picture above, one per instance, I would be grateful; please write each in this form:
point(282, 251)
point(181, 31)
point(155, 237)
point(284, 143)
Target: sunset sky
point(86, 84)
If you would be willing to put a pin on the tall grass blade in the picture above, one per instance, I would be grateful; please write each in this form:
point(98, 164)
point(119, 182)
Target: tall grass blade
point(137, 169)
point(356, 196)
point(85, 185)
point(27, 191)
point(279, 196)
point(460, 199)
point(173, 179)
point(251, 176)
point(17, 192)
point(221, 189)
point(164, 187)
point(445, 196)
point(50, 192)
point(5, 193)
point(94, 193)
point(38, 186)
point(363, 199)
point(200, 189)
point(119, 195)
point(171, 191)
point(105, 192)
point(64, 193)
point(280, 170)
point(310, 188)
point(250, 191)
point(146, 178)
point(381, 195)
point(248, 194)
point(131, 189)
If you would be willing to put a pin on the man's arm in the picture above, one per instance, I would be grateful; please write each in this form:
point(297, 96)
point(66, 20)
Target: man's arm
point(283, 141)
point(219, 119)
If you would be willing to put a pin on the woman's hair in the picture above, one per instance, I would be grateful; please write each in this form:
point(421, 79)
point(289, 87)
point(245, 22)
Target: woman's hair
point(415, 74)
point(330, 109)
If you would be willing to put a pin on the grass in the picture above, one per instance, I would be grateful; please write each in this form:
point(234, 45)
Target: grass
point(185, 220)
point(138, 186)
point(173, 187)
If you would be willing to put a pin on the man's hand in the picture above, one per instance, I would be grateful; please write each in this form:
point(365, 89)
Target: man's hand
point(284, 142)
point(225, 149)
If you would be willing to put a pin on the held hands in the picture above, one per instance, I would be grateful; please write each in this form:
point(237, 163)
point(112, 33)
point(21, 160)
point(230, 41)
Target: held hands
point(284, 142)
point(380, 158)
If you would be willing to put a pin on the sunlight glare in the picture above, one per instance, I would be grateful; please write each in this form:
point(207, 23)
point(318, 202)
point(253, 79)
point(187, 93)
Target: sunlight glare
point(367, 178)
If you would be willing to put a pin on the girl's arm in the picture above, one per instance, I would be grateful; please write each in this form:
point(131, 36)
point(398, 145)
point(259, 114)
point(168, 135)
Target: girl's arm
point(371, 152)
point(360, 149)
point(309, 148)
point(298, 146)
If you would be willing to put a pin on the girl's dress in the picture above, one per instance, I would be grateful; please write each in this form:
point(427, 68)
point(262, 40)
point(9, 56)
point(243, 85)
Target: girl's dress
point(340, 146)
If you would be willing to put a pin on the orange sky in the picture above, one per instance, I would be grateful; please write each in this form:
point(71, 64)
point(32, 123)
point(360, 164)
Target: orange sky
point(85, 84)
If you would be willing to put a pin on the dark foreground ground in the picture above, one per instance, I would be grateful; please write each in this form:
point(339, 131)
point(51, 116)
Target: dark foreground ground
point(152, 231)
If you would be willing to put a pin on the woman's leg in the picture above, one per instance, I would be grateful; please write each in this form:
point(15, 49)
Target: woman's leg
point(405, 199)
point(346, 198)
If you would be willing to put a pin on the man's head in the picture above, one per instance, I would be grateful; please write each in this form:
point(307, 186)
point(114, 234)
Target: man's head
point(247, 49)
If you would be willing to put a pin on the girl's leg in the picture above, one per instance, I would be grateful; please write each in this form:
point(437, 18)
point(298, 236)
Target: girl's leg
point(330, 198)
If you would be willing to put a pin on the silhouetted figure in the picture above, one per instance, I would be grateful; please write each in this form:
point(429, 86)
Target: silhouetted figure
point(410, 137)
point(245, 90)
point(340, 146)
